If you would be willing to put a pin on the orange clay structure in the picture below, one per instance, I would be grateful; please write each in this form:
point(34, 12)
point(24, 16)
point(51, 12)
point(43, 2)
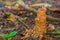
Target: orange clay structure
point(40, 27)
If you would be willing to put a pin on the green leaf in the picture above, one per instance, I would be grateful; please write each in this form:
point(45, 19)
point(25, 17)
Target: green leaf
point(5, 35)
point(12, 33)
point(9, 35)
